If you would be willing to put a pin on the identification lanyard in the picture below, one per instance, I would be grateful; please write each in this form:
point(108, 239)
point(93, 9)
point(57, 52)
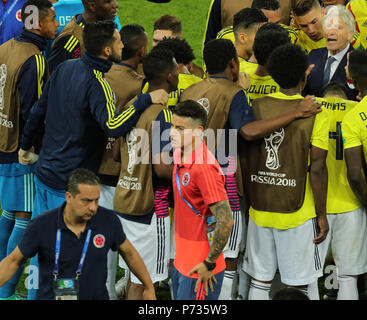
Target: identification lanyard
point(210, 220)
point(82, 258)
point(8, 11)
point(178, 183)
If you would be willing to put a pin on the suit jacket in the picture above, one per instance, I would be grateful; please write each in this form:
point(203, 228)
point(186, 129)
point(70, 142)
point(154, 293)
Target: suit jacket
point(314, 84)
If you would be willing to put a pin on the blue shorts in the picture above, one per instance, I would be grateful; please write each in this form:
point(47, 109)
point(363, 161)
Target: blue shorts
point(46, 198)
point(183, 287)
point(16, 188)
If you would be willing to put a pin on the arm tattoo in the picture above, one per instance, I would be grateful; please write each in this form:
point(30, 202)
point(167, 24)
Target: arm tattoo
point(223, 228)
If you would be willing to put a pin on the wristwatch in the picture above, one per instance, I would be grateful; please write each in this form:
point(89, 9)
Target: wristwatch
point(210, 265)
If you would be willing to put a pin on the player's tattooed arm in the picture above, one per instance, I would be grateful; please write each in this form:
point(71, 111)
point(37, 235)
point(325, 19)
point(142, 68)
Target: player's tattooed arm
point(223, 228)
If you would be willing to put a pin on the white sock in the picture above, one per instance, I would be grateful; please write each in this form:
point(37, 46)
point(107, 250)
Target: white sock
point(348, 289)
point(313, 290)
point(227, 285)
point(259, 290)
point(244, 281)
point(111, 274)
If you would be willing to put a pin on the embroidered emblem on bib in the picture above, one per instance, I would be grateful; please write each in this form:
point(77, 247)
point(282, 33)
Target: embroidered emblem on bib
point(186, 179)
point(205, 103)
point(272, 144)
point(99, 241)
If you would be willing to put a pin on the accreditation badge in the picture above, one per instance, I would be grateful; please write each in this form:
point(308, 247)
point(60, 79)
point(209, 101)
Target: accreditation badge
point(66, 289)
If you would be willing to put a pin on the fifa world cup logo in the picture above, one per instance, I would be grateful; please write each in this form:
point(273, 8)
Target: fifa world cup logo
point(2, 85)
point(131, 140)
point(272, 144)
point(205, 104)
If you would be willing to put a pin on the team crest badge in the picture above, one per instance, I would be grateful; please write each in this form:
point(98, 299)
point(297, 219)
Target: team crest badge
point(18, 15)
point(186, 179)
point(99, 241)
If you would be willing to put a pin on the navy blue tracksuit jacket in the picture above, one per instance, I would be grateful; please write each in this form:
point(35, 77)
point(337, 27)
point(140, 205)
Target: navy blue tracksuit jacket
point(78, 108)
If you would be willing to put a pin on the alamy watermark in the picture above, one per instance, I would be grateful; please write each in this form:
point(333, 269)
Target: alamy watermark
point(32, 279)
point(331, 280)
point(32, 19)
point(222, 143)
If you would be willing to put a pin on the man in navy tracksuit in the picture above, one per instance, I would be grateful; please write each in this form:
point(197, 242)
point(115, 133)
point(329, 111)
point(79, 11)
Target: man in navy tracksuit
point(78, 108)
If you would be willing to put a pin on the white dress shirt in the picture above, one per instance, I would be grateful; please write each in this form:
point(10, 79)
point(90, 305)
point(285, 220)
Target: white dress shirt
point(338, 58)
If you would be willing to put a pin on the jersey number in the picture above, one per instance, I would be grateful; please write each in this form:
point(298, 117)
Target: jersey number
point(337, 135)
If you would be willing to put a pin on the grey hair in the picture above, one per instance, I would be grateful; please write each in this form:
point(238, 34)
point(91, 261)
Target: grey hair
point(341, 12)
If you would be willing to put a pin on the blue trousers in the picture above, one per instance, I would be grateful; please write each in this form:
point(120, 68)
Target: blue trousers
point(183, 287)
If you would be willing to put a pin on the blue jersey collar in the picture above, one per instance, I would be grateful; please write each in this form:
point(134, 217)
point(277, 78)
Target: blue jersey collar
point(219, 77)
point(28, 36)
point(126, 65)
point(94, 62)
point(79, 20)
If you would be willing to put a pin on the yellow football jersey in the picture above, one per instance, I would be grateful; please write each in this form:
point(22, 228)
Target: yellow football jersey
point(303, 40)
point(261, 86)
point(293, 34)
point(226, 33)
point(358, 8)
point(184, 81)
point(320, 139)
point(340, 197)
point(354, 127)
point(307, 44)
point(246, 66)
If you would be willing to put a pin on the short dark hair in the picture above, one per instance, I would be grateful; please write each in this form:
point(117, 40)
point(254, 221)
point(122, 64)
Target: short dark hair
point(247, 18)
point(168, 22)
point(157, 64)
point(98, 35)
point(266, 4)
point(302, 7)
point(81, 176)
point(287, 65)
point(41, 5)
point(290, 294)
point(268, 37)
point(86, 4)
point(182, 51)
point(358, 64)
point(191, 109)
point(335, 87)
point(133, 37)
point(217, 54)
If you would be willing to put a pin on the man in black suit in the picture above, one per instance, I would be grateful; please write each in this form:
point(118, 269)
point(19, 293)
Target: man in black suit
point(339, 27)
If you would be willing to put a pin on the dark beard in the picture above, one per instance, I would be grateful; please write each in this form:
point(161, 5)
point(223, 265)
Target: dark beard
point(114, 57)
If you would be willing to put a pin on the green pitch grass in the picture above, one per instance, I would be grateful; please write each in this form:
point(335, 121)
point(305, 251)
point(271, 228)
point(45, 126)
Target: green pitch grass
point(192, 14)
